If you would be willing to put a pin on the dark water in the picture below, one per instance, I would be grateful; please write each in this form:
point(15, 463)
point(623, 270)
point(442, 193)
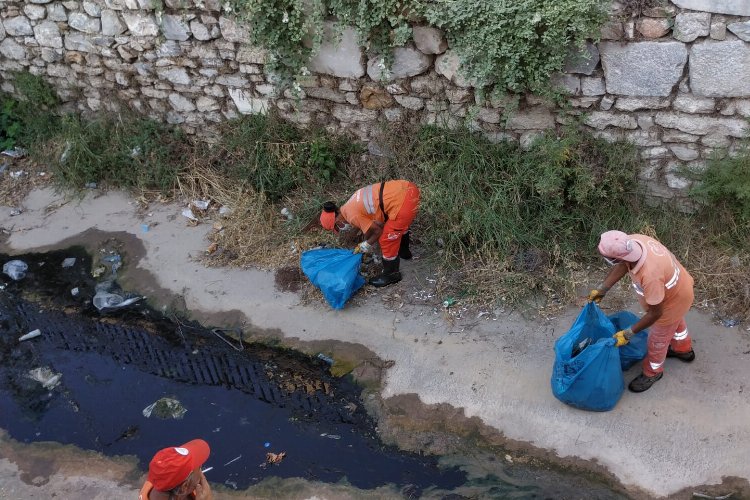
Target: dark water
point(244, 403)
point(111, 370)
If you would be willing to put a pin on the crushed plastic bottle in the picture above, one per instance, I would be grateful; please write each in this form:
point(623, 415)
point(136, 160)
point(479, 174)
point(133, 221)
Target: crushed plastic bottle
point(325, 358)
point(31, 335)
point(16, 269)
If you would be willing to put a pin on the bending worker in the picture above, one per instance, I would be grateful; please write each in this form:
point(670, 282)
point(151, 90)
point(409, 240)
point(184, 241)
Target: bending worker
point(383, 212)
point(665, 291)
point(175, 474)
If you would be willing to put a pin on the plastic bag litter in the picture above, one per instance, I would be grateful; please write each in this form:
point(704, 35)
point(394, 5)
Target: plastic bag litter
point(106, 300)
point(69, 262)
point(587, 373)
point(165, 408)
point(46, 377)
point(16, 269)
point(335, 272)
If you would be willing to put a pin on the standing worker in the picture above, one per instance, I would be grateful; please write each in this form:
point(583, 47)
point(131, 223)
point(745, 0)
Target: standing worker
point(175, 474)
point(383, 212)
point(665, 291)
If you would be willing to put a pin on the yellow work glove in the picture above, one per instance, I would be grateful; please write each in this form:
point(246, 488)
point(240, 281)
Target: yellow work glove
point(363, 247)
point(623, 337)
point(598, 293)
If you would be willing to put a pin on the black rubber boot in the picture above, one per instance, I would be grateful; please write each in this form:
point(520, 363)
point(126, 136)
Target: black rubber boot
point(390, 274)
point(687, 357)
point(643, 383)
point(403, 249)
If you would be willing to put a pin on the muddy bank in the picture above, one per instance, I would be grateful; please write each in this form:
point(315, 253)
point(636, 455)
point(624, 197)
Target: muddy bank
point(495, 368)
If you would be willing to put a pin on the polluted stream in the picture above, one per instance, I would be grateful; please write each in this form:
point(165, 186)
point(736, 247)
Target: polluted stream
point(128, 380)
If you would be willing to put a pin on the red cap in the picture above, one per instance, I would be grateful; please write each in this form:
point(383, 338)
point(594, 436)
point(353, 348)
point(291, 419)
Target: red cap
point(171, 466)
point(328, 220)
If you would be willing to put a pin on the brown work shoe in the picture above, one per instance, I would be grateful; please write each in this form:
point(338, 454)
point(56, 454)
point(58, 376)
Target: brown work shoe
point(687, 357)
point(643, 383)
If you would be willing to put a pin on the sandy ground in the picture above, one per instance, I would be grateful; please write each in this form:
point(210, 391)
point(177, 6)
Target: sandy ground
point(690, 429)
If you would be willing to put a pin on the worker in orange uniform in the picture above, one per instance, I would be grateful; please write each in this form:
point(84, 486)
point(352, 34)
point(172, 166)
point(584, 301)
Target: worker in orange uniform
point(175, 474)
point(383, 212)
point(665, 291)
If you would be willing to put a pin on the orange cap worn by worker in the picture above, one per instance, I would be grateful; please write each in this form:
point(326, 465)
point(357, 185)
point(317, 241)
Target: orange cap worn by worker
point(170, 467)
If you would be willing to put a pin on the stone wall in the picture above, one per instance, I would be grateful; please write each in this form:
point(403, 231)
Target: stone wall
point(675, 81)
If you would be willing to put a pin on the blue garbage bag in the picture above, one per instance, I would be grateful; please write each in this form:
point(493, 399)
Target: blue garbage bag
point(587, 372)
point(335, 271)
point(635, 350)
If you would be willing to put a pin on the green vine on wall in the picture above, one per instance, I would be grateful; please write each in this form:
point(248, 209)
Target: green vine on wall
point(513, 45)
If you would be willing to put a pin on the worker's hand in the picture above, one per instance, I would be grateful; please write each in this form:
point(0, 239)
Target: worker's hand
point(363, 247)
point(598, 293)
point(203, 490)
point(623, 337)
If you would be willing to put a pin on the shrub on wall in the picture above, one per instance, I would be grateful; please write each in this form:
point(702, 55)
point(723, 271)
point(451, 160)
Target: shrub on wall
point(514, 45)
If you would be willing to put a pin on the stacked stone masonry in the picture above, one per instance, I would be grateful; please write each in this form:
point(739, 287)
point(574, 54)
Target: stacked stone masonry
point(675, 81)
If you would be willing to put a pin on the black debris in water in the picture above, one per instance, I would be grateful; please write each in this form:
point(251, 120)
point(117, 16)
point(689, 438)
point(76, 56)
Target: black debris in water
point(245, 403)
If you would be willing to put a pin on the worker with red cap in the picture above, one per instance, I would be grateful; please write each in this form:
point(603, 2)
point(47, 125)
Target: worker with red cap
point(175, 474)
point(383, 212)
point(665, 291)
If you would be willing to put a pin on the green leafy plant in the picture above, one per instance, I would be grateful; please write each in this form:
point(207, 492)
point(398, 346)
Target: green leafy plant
point(322, 160)
point(725, 184)
point(10, 124)
point(515, 45)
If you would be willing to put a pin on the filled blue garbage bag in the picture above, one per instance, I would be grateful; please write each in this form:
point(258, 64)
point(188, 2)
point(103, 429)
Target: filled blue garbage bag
point(335, 271)
point(587, 372)
point(635, 350)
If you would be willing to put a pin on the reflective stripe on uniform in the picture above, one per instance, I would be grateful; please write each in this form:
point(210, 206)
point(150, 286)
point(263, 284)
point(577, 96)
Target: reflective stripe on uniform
point(675, 278)
point(681, 335)
point(655, 366)
point(368, 201)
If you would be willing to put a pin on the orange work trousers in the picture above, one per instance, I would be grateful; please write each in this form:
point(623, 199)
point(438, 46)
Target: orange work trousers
point(660, 337)
point(395, 227)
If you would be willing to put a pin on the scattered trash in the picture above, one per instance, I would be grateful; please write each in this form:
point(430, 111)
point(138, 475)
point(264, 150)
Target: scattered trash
point(46, 377)
point(231, 484)
point(201, 204)
point(91, 185)
point(440, 243)
point(18, 174)
point(508, 458)
point(206, 469)
point(115, 262)
point(165, 408)
point(42, 174)
point(106, 300)
point(273, 458)
point(187, 212)
point(212, 248)
point(98, 271)
point(225, 211)
point(266, 444)
point(286, 213)
point(233, 460)
point(66, 152)
point(15, 211)
point(4, 166)
point(219, 331)
point(449, 302)
point(330, 436)
point(69, 262)
point(16, 269)
point(16, 152)
point(135, 152)
point(729, 323)
point(325, 358)
point(74, 292)
point(145, 228)
point(31, 335)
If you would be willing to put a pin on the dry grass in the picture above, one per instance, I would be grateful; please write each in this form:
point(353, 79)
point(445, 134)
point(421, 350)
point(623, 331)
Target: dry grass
point(14, 187)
